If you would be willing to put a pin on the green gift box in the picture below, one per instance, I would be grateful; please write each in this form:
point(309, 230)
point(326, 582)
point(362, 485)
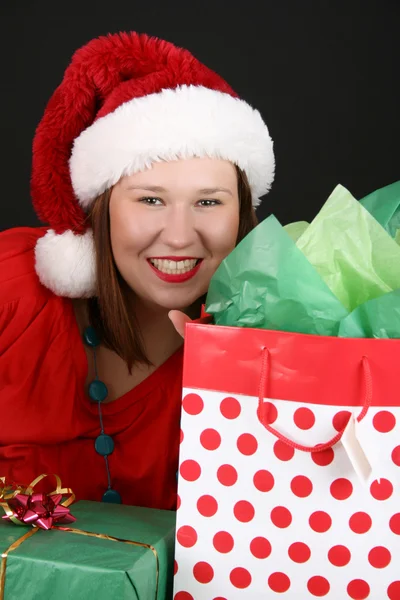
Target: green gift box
point(111, 551)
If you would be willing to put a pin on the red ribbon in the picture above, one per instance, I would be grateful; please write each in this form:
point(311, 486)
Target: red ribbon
point(24, 506)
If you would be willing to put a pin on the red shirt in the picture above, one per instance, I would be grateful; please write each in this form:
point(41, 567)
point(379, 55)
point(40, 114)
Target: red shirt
point(47, 422)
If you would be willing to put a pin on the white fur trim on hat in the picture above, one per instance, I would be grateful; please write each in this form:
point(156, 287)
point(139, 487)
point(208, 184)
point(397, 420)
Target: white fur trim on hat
point(65, 263)
point(186, 122)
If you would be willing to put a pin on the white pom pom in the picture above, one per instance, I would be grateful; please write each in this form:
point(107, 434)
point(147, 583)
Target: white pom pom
point(65, 263)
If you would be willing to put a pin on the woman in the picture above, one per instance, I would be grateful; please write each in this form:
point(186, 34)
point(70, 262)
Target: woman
point(146, 169)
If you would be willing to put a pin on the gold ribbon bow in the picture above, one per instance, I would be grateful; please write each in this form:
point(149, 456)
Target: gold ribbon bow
point(24, 506)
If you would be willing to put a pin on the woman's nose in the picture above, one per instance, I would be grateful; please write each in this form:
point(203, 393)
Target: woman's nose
point(179, 229)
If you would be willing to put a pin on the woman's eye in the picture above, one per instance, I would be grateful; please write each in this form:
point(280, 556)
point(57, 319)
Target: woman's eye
point(150, 201)
point(209, 202)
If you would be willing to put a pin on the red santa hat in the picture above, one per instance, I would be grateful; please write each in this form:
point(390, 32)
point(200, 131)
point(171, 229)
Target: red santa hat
point(126, 101)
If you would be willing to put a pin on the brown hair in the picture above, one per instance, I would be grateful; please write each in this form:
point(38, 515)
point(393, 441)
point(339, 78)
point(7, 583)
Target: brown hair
point(109, 311)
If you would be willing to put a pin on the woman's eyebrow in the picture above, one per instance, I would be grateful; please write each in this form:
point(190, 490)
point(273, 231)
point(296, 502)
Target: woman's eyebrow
point(160, 189)
point(148, 188)
point(214, 190)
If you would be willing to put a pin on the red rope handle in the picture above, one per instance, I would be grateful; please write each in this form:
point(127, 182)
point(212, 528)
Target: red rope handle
point(320, 447)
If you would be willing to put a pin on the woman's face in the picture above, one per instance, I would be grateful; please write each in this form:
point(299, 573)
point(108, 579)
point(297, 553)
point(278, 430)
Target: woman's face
point(171, 226)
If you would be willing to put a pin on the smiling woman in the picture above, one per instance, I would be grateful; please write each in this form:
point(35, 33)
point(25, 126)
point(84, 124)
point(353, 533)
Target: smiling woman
point(203, 209)
point(178, 223)
point(146, 169)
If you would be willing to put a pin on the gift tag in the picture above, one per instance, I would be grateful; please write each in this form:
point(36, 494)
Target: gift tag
point(355, 451)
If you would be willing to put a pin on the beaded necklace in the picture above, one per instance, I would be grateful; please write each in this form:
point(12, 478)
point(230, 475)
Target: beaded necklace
point(98, 392)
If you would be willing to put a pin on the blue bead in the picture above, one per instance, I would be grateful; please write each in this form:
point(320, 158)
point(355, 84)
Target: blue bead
point(98, 391)
point(104, 444)
point(112, 497)
point(90, 337)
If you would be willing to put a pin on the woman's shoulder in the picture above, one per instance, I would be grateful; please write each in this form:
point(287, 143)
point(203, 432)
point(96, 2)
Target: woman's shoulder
point(40, 367)
point(27, 308)
point(17, 263)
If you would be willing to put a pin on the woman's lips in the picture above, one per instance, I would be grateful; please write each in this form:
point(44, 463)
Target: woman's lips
point(176, 277)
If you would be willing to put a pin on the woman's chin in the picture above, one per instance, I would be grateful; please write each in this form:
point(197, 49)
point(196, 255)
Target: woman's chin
point(176, 301)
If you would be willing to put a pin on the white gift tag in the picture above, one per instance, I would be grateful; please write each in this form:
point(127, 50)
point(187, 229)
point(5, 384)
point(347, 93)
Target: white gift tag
point(355, 451)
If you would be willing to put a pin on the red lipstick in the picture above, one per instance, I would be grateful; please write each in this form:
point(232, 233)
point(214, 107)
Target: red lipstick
point(179, 277)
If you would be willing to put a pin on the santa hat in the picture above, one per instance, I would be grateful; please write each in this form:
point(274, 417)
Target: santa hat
point(126, 101)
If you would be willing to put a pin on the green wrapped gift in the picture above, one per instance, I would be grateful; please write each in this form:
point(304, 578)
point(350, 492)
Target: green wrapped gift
point(112, 551)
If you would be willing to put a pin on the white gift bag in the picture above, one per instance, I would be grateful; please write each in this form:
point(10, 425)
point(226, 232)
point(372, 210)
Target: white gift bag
point(260, 515)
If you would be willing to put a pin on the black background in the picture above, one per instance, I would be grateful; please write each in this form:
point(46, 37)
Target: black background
point(324, 75)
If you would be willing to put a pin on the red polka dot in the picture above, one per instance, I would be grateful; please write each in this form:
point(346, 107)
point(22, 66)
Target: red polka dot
point(175, 567)
point(178, 501)
point(269, 412)
point(223, 542)
point(183, 596)
point(393, 590)
point(190, 470)
point(396, 456)
point(320, 521)
point(304, 418)
point(181, 436)
point(339, 556)
point(219, 598)
point(360, 522)
point(318, 586)
point(324, 458)
point(281, 517)
point(301, 486)
point(240, 578)
point(341, 419)
point(244, 511)
point(384, 421)
point(227, 475)
point(193, 404)
point(279, 582)
point(341, 489)
point(186, 536)
point(382, 489)
point(299, 552)
point(283, 451)
point(247, 444)
point(358, 589)
point(210, 439)
point(260, 547)
point(263, 481)
point(230, 408)
point(394, 524)
point(379, 557)
point(207, 506)
point(203, 572)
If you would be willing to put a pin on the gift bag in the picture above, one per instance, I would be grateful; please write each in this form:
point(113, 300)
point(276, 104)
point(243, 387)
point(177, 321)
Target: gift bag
point(289, 477)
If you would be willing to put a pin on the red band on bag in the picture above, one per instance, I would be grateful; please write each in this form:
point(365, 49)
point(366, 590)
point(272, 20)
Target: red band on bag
point(304, 368)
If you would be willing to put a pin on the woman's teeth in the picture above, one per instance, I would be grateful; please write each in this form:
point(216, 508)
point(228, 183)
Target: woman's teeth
point(174, 267)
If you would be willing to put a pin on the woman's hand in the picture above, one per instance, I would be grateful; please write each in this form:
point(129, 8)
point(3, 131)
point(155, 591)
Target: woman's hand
point(179, 320)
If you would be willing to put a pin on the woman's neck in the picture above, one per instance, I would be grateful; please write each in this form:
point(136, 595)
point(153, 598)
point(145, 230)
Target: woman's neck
point(158, 333)
point(159, 336)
